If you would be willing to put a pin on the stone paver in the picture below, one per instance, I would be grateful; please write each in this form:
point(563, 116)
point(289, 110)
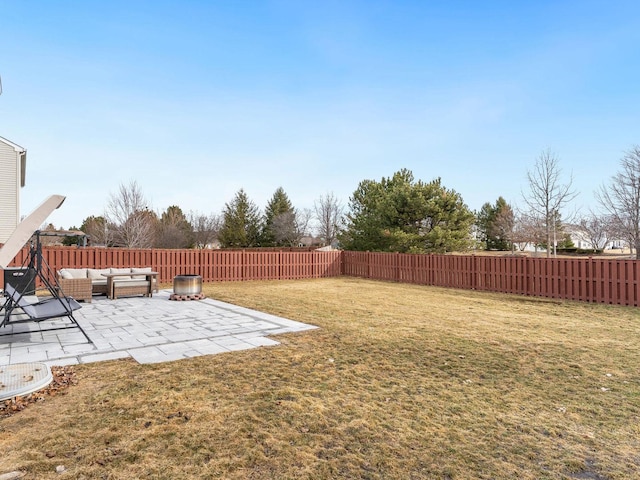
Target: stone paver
point(149, 330)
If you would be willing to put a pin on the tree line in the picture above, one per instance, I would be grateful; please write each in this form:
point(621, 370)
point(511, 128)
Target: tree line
point(547, 217)
point(398, 213)
point(129, 221)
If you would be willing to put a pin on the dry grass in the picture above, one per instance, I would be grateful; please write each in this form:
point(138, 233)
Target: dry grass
point(399, 382)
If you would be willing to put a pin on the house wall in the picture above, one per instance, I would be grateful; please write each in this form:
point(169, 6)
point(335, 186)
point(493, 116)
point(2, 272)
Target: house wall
point(9, 190)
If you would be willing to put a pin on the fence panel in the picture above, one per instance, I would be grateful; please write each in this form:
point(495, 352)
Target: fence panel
point(407, 268)
point(355, 264)
point(423, 268)
point(296, 266)
point(212, 265)
point(383, 266)
point(261, 265)
point(601, 280)
point(326, 264)
point(227, 266)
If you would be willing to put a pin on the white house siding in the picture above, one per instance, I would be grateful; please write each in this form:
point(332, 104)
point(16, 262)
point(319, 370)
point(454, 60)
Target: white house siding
point(9, 189)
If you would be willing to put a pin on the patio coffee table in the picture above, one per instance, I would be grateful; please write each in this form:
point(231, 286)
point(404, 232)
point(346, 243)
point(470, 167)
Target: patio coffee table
point(130, 286)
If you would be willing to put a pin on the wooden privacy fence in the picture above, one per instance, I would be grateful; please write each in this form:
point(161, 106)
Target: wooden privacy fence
point(211, 265)
point(599, 280)
point(593, 279)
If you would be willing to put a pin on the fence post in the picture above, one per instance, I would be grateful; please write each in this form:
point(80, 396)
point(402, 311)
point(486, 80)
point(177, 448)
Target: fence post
point(243, 267)
point(474, 272)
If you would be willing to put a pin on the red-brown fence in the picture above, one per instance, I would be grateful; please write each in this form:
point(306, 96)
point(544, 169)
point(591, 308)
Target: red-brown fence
point(598, 280)
point(212, 265)
point(592, 279)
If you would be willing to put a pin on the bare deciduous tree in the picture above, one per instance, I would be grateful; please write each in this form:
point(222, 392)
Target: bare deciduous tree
point(205, 228)
point(129, 215)
point(303, 219)
point(548, 195)
point(288, 228)
point(284, 229)
point(621, 199)
point(527, 230)
point(596, 228)
point(328, 213)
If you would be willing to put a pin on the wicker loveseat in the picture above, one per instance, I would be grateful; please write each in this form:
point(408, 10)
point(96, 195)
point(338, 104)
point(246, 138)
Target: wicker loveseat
point(83, 283)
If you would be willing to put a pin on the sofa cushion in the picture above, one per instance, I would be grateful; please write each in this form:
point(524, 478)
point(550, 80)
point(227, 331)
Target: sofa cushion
point(97, 273)
point(64, 274)
point(120, 270)
point(129, 282)
point(140, 270)
point(68, 273)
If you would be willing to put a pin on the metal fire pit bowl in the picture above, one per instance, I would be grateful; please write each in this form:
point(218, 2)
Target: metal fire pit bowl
point(187, 287)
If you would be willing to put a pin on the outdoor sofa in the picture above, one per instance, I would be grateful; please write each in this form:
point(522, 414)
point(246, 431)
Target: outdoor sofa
point(83, 283)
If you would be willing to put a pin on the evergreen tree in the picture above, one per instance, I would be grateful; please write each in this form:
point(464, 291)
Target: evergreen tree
point(97, 229)
point(484, 218)
point(566, 242)
point(174, 230)
point(495, 225)
point(403, 215)
point(241, 223)
point(503, 225)
point(69, 240)
point(279, 224)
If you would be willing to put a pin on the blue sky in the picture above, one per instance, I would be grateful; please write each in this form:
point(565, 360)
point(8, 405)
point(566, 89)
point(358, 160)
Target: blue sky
point(196, 99)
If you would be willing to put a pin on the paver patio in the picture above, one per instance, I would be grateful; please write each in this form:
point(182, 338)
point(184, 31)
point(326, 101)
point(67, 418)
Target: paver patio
point(149, 330)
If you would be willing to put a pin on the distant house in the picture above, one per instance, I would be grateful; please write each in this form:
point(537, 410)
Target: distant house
point(13, 163)
point(579, 237)
point(309, 241)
